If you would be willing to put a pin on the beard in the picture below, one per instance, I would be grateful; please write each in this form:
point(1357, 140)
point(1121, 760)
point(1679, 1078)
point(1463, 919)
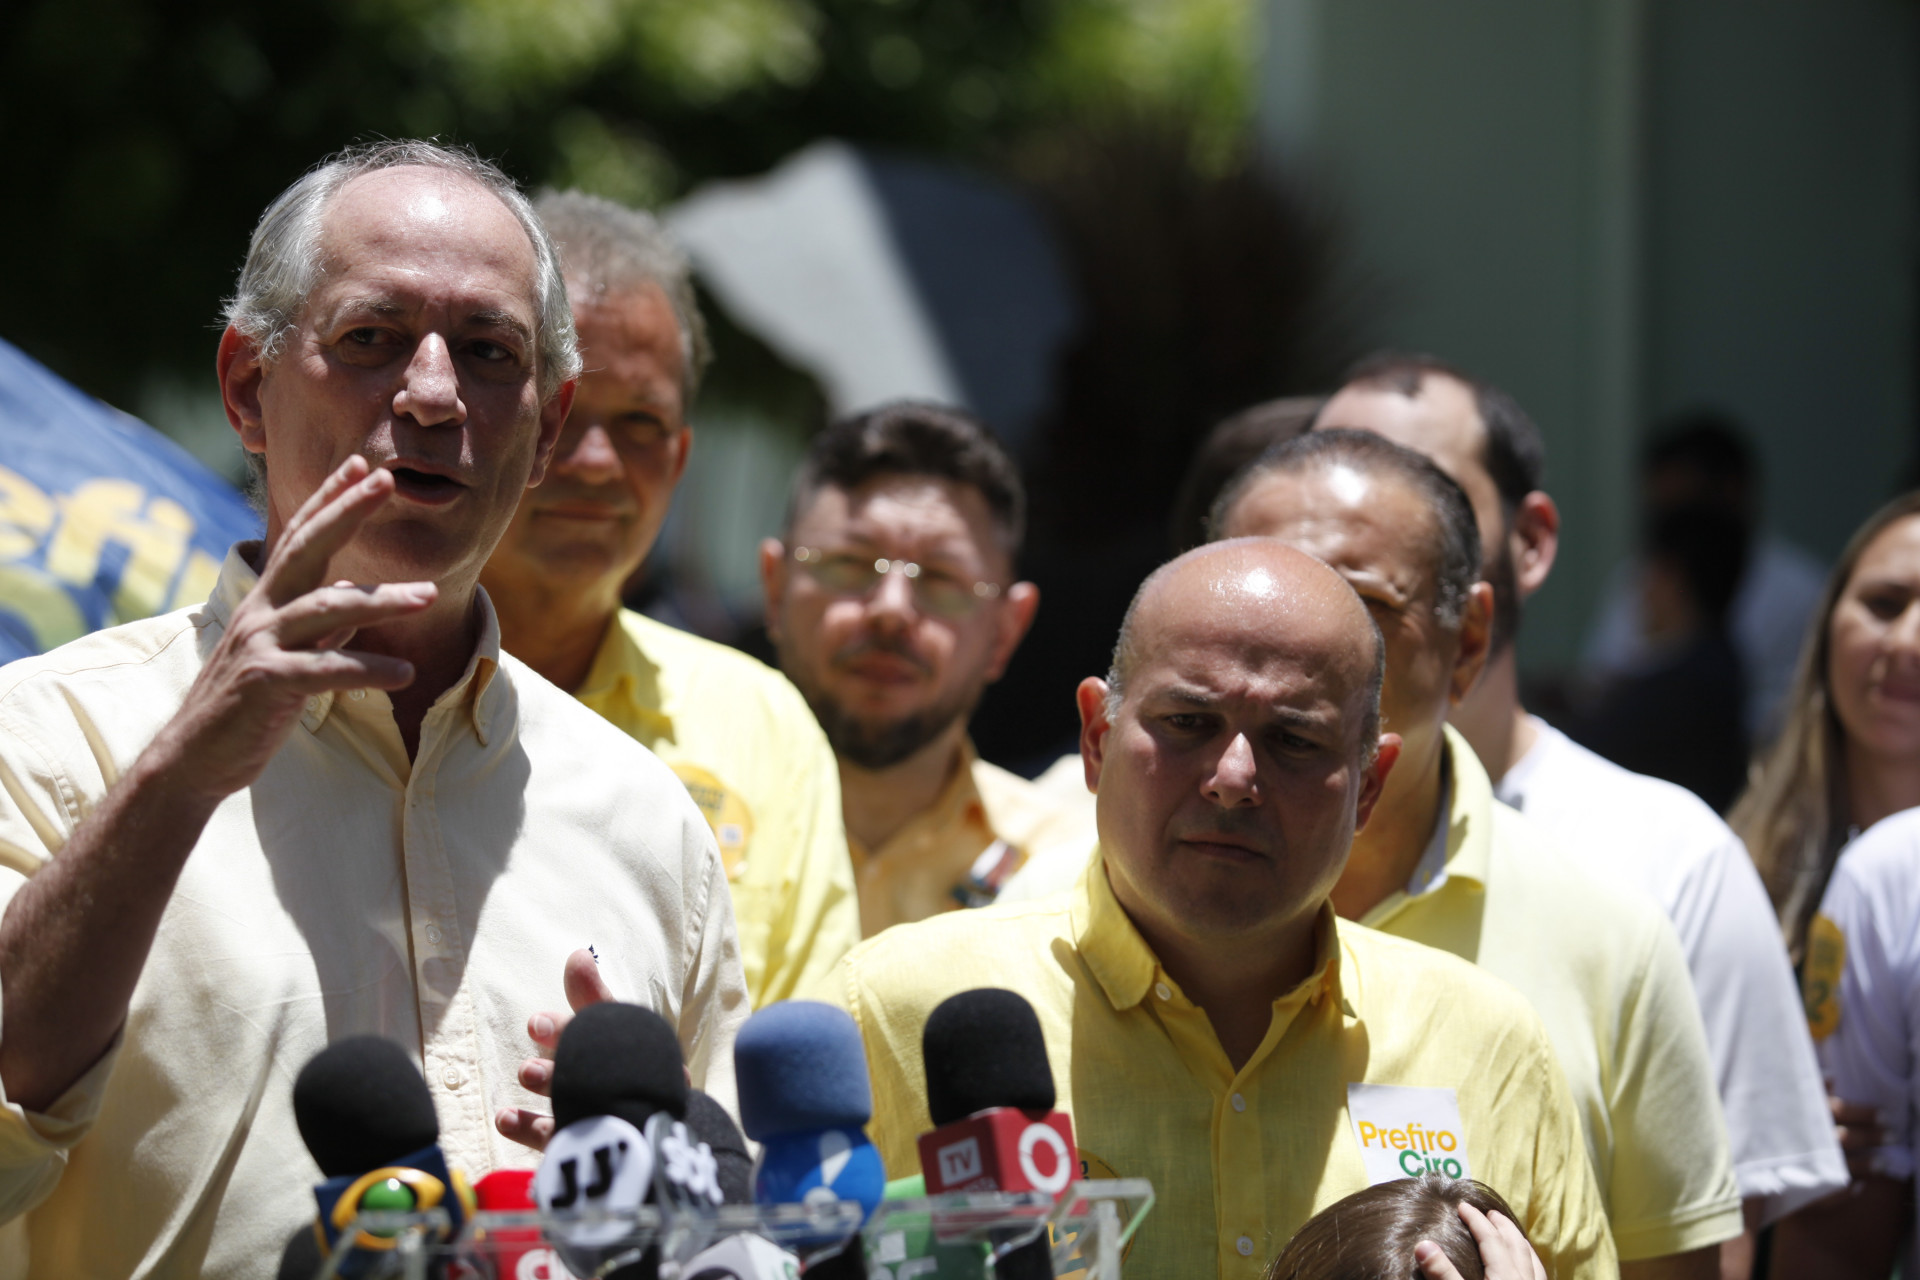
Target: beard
point(1500, 574)
point(875, 745)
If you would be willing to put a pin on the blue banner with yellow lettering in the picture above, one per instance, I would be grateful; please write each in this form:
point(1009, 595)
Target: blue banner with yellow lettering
point(102, 518)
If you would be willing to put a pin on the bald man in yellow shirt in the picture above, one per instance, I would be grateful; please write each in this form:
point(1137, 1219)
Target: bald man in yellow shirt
point(1443, 863)
point(739, 736)
point(1213, 1026)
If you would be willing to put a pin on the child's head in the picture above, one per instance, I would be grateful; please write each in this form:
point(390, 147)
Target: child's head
point(1370, 1235)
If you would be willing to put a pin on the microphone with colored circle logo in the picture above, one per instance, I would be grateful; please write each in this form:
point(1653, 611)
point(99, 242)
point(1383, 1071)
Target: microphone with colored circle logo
point(364, 1111)
point(991, 1097)
point(804, 1096)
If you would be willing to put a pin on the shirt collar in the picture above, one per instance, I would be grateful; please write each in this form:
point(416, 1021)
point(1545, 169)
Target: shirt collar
point(1469, 815)
point(618, 664)
point(1512, 788)
point(475, 688)
point(1126, 968)
point(944, 815)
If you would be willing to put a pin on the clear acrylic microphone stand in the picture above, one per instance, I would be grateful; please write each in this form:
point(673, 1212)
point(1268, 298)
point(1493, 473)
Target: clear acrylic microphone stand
point(949, 1237)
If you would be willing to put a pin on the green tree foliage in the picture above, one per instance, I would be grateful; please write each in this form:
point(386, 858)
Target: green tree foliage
point(143, 137)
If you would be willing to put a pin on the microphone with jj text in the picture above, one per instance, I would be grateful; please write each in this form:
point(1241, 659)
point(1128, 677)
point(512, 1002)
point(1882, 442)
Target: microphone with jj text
point(617, 1073)
point(990, 1095)
point(365, 1114)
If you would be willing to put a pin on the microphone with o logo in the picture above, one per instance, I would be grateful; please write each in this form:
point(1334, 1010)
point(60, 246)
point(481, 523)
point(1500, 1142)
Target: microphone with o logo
point(991, 1096)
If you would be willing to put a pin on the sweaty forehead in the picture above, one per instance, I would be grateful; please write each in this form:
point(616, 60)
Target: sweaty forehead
point(1257, 607)
point(1377, 526)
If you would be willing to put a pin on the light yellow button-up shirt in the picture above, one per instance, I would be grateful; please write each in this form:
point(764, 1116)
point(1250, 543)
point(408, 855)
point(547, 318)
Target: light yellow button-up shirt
point(1238, 1159)
point(349, 890)
point(1604, 970)
point(754, 759)
point(964, 847)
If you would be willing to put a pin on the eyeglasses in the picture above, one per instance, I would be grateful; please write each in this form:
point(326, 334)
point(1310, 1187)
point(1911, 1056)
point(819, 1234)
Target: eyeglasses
point(936, 592)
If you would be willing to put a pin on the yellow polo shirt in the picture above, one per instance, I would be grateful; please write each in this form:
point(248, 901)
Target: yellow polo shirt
point(745, 744)
point(963, 848)
point(1239, 1160)
point(1602, 967)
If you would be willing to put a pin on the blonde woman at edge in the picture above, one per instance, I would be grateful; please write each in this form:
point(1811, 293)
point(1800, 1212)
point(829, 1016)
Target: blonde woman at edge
point(1849, 757)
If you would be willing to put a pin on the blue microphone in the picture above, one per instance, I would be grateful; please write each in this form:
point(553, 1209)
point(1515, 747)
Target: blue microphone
point(804, 1096)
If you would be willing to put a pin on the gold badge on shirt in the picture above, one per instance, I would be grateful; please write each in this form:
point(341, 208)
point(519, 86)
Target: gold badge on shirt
point(1820, 979)
point(726, 812)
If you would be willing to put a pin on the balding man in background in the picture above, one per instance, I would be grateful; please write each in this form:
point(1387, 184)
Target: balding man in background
point(1212, 1024)
point(734, 730)
point(310, 809)
point(1638, 831)
point(1443, 863)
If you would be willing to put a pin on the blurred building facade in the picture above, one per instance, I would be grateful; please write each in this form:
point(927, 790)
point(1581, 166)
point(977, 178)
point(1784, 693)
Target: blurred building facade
point(1618, 209)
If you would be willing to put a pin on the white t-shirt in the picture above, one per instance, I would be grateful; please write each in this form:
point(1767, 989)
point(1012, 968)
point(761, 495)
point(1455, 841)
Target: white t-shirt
point(1867, 935)
point(1663, 840)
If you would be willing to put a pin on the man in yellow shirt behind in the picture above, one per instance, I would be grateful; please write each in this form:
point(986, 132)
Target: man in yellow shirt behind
point(735, 731)
point(1212, 1025)
point(893, 602)
point(1443, 863)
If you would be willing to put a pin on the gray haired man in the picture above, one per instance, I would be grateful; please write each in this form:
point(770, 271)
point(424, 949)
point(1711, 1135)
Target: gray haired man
point(325, 803)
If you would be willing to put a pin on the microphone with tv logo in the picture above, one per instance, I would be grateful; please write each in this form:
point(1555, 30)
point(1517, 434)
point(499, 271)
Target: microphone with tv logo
point(365, 1114)
point(990, 1094)
point(804, 1096)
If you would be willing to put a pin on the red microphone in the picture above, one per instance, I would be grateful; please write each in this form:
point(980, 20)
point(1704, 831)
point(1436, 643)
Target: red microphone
point(1001, 1149)
point(517, 1253)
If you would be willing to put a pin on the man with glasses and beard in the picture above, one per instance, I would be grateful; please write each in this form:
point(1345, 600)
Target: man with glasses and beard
point(892, 603)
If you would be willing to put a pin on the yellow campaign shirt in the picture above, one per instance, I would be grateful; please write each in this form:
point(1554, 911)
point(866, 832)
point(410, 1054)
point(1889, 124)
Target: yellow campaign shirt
point(964, 847)
point(1602, 967)
point(1238, 1160)
point(744, 742)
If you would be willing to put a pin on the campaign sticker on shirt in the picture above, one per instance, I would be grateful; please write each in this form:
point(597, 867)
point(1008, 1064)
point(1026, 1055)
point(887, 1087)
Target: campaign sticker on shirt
point(1820, 979)
point(727, 814)
point(1404, 1132)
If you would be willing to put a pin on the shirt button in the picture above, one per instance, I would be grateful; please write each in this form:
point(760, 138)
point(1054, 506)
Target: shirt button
point(313, 706)
point(1245, 1245)
point(356, 694)
point(1162, 990)
point(452, 1076)
point(433, 934)
point(1239, 1103)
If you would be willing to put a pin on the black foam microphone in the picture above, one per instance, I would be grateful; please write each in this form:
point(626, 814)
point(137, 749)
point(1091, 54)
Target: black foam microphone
point(709, 1122)
point(365, 1113)
point(360, 1103)
point(618, 1081)
point(618, 1060)
point(991, 1096)
point(984, 1049)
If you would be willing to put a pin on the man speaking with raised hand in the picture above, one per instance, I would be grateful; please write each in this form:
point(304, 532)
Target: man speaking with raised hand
point(302, 811)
